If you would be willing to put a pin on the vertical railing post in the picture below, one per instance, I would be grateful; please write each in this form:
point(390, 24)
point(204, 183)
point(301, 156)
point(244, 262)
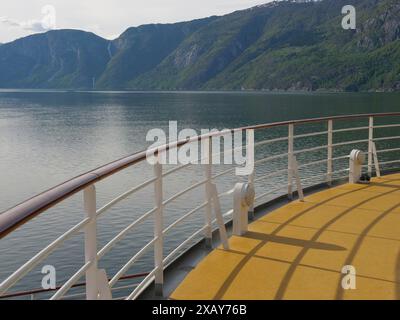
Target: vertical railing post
point(218, 215)
point(208, 191)
point(370, 141)
point(330, 153)
point(158, 229)
point(89, 199)
point(376, 161)
point(251, 182)
point(290, 159)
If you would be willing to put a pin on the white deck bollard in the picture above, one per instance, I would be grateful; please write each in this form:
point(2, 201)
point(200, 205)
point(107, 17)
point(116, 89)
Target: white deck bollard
point(357, 159)
point(243, 199)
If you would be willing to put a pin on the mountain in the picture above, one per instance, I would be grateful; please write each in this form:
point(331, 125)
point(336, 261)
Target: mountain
point(289, 46)
point(56, 59)
point(285, 45)
point(141, 49)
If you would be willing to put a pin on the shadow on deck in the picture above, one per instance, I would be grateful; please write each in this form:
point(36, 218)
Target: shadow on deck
point(298, 251)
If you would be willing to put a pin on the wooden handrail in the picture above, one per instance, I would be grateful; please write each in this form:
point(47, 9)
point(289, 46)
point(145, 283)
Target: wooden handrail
point(27, 210)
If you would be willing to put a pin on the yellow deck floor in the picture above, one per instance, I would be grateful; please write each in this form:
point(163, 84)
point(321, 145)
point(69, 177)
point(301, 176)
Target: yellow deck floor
point(299, 250)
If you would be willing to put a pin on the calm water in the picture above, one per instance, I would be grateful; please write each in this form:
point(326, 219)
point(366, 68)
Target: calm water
point(48, 137)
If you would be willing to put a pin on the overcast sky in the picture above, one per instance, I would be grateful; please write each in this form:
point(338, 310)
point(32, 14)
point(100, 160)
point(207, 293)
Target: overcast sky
point(110, 18)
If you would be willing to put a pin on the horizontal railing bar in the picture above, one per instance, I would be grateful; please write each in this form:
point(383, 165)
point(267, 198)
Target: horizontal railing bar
point(213, 155)
point(166, 173)
point(342, 170)
point(387, 126)
point(229, 151)
point(270, 158)
point(120, 298)
point(166, 230)
point(67, 285)
point(321, 161)
point(125, 195)
point(38, 291)
point(73, 295)
point(341, 157)
point(342, 177)
point(314, 176)
point(322, 119)
point(323, 174)
point(263, 142)
point(199, 160)
point(226, 193)
point(142, 285)
point(386, 138)
point(228, 213)
point(298, 151)
point(257, 144)
point(389, 162)
point(268, 193)
point(125, 287)
point(24, 269)
point(177, 249)
point(268, 141)
point(82, 294)
point(274, 157)
point(349, 142)
point(130, 286)
point(269, 175)
point(349, 129)
point(312, 163)
point(125, 268)
point(388, 150)
point(21, 213)
point(120, 235)
point(225, 215)
point(181, 193)
point(222, 173)
point(306, 135)
point(310, 149)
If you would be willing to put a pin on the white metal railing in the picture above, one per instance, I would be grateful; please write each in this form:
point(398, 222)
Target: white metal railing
point(100, 287)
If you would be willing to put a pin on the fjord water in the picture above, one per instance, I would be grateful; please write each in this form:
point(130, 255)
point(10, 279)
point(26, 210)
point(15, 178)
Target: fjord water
point(48, 137)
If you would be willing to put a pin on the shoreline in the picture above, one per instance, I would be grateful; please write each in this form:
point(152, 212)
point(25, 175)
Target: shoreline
point(32, 90)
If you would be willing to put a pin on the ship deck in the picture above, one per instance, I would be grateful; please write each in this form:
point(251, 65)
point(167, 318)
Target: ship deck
point(298, 251)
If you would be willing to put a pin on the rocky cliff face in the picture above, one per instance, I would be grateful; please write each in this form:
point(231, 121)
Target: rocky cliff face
point(57, 59)
point(286, 45)
point(139, 50)
point(382, 29)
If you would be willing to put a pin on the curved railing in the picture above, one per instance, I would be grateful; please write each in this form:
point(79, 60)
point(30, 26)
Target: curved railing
point(329, 162)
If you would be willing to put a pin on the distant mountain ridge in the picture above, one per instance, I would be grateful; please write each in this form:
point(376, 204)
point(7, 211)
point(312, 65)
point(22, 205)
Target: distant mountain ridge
point(282, 45)
point(56, 59)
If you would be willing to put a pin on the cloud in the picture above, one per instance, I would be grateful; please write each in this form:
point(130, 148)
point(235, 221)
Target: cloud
point(30, 25)
point(105, 18)
point(9, 22)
